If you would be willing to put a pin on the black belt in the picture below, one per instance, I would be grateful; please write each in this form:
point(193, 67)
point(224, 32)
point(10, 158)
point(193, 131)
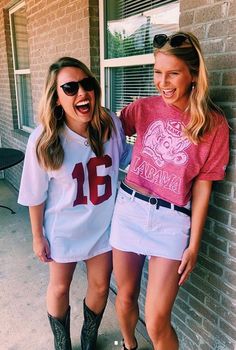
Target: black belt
point(154, 201)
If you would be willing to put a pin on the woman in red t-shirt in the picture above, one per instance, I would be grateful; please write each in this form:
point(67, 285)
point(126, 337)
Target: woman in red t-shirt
point(181, 147)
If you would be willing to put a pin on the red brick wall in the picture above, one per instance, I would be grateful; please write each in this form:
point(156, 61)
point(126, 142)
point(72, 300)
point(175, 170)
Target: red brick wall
point(94, 37)
point(55, 28)
point(205, 312)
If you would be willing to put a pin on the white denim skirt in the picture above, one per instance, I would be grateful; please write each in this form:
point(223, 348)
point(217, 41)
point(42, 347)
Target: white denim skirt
point(139, 227)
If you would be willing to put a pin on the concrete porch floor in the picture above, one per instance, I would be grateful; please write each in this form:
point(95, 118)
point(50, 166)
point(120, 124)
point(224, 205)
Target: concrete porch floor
point(23, 283)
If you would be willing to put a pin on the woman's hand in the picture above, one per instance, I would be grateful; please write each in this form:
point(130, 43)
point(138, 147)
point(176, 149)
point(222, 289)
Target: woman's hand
point(187, 265)
point(200, 198)
point(41, 249)
point(40, 243)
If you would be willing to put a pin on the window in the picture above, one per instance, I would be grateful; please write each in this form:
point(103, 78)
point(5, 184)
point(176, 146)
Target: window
point(20, 52)
point(126, 32)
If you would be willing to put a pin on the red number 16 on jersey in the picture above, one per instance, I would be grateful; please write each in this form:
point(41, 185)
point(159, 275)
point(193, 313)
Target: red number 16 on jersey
point(94, 181)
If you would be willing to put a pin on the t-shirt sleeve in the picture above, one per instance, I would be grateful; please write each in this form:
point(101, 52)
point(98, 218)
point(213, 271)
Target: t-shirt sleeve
point(34, 180)
point(218, 158)
point(127, 117)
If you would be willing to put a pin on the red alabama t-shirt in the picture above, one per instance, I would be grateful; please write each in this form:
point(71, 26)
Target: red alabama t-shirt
point(164, 161)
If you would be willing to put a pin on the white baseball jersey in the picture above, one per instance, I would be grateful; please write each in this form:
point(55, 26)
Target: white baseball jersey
point(79, 197)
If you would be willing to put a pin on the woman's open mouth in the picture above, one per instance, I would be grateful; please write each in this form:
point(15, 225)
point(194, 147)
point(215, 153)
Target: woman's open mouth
point(168, 92)
point(83, 106)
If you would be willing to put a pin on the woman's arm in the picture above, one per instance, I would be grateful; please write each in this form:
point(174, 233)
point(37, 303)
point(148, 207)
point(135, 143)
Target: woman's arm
point(200, 199)
point(40, 243)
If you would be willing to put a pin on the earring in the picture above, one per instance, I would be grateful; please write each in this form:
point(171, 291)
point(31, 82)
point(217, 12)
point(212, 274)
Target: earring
point(193, 85)
point(59, 113)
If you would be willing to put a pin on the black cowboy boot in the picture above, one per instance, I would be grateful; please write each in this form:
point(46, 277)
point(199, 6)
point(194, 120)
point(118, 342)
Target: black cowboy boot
point(61, 332)
point(90, 327)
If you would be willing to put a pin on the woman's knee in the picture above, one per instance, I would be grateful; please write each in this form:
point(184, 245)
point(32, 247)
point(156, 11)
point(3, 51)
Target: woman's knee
point(100, 288)
point(158, 325)
point(59, 290)
point(127, 300)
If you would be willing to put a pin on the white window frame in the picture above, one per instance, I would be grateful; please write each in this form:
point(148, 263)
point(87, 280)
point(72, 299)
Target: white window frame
point(18, 72)
point(107, 64)
point(136, 60)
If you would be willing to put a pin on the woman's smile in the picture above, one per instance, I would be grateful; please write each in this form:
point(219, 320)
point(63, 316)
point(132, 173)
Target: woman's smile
point(172, 79)
point(79, 107)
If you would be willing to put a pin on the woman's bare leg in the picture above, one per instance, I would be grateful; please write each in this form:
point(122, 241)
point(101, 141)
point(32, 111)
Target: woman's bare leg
point(61, 275)
point(162, 289)
point(99, 270)
point(128, 272)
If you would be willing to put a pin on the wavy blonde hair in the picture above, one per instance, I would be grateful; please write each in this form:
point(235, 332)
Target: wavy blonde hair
point(49, 150)
point(201, 108)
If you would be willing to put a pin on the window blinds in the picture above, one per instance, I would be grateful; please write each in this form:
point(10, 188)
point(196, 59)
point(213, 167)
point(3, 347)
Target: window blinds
point(130, 83)
point(20, 39)
point(132, 24)
point(25, 109)
point(127, 8)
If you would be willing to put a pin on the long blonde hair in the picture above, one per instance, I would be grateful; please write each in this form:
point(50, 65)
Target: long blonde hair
point(201, 109)
point(49, 150)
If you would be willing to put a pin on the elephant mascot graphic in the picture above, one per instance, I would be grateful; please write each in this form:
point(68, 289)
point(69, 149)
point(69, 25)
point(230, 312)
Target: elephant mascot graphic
point(165, 143)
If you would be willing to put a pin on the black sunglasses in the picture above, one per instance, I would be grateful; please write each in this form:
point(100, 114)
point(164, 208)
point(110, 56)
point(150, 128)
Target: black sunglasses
point(71, 88)
point(175, 40)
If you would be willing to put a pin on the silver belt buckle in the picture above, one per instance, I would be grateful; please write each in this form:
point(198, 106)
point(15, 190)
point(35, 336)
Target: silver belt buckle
point(153, 201)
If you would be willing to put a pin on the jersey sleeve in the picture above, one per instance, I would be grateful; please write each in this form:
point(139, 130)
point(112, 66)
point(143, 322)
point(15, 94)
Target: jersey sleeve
point(34, 180)
point(218, 158)
point(126, 154)
point(125, 149)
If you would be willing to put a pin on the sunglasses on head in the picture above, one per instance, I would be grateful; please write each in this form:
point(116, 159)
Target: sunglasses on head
point(71, 88)
point(175, 40)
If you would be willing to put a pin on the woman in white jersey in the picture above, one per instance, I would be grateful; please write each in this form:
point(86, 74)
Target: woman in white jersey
point(69, 182)
point(181, 147)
